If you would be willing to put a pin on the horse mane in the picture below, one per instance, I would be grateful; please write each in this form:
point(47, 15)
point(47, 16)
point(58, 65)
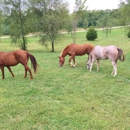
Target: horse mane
point(65, 49)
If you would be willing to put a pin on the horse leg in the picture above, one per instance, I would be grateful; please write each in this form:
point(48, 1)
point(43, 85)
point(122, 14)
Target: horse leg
point(27, 69)
point(71, 57)
point(25, 75)
point(70, 61)
point(2, 70)
point(115, 68)
point(91, 64)
point(74, 62)
point(114, 72)
point(10, 71)
point(97, 65)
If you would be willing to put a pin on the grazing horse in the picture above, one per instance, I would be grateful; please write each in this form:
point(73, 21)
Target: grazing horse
point(74, 50)
point(15, 57)
point(109, 52)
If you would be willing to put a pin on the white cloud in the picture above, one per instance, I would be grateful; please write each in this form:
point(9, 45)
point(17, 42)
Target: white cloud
point(102, 4)
point(97, 4)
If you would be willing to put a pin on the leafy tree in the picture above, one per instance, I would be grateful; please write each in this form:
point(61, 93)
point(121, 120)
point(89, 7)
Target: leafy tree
point(125, 16)
point(51, 17)
point(100, 18)
point(85, 24)
point(78, 11)
point(124, 12)
point(0, 23)
point(16, 11)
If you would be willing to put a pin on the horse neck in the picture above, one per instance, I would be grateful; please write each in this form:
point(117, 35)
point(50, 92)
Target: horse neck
point(90, 57)
point(63, 53)
point(89, 49)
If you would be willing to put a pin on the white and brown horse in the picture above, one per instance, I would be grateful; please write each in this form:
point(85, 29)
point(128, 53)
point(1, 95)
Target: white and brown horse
point(74, 50)
point(109, 52)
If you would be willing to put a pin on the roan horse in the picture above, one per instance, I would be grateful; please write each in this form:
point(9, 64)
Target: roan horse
point(109, 52)
point(15, 57)
point(74, 50)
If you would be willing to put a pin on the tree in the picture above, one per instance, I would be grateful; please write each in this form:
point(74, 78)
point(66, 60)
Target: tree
point(16, 11)
point(85, 24)
point(78, 10)
point(52, 17)
point(1, 21)
point(125, 16)
point(124, 11)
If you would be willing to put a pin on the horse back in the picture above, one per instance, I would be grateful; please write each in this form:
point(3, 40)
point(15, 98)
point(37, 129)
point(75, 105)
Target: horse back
point(80, 49)
point(106, 52)
point(99, 52)
point(12, 58)
point(21, 56)
point(7, 59)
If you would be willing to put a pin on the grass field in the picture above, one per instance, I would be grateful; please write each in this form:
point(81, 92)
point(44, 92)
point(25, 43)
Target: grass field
point(67, 98)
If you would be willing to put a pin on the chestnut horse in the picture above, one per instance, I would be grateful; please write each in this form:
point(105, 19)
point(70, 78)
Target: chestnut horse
point(109, 52)
point(74, 50)
point(15, 57)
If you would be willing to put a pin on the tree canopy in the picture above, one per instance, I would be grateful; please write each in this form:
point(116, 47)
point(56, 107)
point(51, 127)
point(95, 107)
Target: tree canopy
point(48, 17)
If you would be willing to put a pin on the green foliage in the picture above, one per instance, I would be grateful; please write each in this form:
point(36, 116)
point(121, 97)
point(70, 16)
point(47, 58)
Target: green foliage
point(124, 12)
point(49, 21)
point(107, 30)
point(16, 20)
point(85, 24)
point(5, 29)
point(128, 34)
point(91, 34)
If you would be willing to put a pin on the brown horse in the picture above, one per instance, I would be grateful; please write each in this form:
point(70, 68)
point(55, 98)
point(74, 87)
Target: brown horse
point(109, 52)
point(15, 57)
point(74, 50)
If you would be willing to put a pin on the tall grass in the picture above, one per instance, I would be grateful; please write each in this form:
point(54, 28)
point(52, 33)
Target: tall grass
point(65, 98)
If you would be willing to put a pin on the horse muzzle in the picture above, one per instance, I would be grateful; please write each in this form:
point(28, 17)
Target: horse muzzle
point(88, 66)
point(61, 65)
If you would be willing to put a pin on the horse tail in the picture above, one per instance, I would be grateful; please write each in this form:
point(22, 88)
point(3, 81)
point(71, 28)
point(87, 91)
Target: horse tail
point(33, 62)
point(121, 56)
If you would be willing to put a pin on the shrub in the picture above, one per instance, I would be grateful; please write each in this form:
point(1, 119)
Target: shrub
point(91, 34)
point(128, 34)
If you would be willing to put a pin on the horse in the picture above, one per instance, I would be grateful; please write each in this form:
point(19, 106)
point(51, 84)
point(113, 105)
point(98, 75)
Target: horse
point(108, 52)
point(74, 50)
point(8, 59)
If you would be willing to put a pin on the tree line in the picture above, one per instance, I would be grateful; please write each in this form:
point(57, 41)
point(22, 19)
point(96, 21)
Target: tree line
point(48, 17)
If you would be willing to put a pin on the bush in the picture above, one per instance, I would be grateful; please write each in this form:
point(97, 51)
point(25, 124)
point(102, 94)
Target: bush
point(91, 34)
point(128, 34)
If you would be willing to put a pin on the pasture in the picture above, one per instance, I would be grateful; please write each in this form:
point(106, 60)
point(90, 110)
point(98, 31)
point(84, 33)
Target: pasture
point(67, 98)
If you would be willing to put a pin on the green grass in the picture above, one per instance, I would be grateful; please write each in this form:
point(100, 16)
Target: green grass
point(66, 98)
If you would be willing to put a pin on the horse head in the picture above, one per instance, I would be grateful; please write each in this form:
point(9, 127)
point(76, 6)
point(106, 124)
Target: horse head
point(61, 60)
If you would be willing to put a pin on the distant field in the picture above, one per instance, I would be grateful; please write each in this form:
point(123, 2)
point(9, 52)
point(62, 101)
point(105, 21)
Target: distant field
point(67, 98)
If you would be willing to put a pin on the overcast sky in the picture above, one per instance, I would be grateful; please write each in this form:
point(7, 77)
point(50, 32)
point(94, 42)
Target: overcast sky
point(97, 4)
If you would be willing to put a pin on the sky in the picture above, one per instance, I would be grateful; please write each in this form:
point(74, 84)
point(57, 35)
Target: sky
point(97, 4)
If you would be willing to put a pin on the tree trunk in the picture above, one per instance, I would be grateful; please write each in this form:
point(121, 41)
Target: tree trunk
point(23, 44)
point(74, 31)
point(52, 43)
